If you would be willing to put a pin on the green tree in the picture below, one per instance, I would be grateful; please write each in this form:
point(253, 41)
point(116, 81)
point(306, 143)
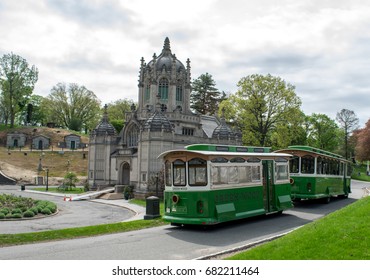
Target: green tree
point(205, 97)
point(323, 132)
point(117, 109)
point(349, 122)
point(70, 180)
point(117, 112)
point(362, 139)
point(74, 107)
point(17, 81)
point(33, 113)
point(264, 107)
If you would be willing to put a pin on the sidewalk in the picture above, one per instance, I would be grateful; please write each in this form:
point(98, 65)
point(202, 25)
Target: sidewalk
point(139, 210)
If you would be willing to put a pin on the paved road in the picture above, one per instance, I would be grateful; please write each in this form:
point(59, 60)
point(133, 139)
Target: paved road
point(172, 243)
point(71, 213)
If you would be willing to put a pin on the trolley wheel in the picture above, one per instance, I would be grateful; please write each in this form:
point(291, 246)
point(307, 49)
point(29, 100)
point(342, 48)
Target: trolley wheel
point(343, 195)
point(326, 200)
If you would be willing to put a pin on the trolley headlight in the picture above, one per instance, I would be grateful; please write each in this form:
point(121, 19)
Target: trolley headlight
point(309, 187)
point(291, 180)
point(175, 198)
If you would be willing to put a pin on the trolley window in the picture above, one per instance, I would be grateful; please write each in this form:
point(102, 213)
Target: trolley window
point(281, 172)
point(167, 172)
point(237, 159)
point(219, 175)
point(197, 172)
point(219, 160)
point(320, 165)
point(294, 165)
point(256, 173)
point(179, 173)
point(308, 164)
point(235, 174)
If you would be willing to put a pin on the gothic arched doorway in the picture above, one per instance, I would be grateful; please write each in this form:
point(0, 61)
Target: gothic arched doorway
point(125, 174)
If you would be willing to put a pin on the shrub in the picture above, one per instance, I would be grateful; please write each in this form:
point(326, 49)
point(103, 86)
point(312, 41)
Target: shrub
point(16, 211)
point(12, 206)
point(28, 214)
point(34, 210)
point(17, 216)
point(4, 210)
point(46, 211)
point(52, 207)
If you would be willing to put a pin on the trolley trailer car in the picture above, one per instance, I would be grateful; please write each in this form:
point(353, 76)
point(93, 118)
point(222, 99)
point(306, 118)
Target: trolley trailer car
point(210, 184)
point(318, 174)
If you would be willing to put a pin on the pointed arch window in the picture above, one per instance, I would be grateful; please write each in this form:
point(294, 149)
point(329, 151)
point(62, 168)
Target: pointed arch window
point(163, 89)
point(179, 96)
point(133, 136)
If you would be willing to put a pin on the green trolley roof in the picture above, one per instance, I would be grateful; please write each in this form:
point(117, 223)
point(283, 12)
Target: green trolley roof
point(227, 148)
point(313, 150)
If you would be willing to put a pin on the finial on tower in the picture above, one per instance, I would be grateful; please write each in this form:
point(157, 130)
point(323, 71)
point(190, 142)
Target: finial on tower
point(166, 47)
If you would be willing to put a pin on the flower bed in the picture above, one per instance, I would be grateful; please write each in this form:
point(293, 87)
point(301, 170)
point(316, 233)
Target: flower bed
point(17, 207)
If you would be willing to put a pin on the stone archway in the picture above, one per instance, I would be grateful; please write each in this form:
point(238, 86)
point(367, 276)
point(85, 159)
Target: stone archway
point(125, 174)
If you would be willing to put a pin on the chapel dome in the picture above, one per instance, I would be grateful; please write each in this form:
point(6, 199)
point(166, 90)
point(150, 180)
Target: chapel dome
point(166, 59)
point(158, 122)
point(223, 131)
point(104, 127)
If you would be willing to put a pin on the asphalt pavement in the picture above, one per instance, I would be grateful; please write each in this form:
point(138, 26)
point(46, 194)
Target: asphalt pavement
point(71, 213)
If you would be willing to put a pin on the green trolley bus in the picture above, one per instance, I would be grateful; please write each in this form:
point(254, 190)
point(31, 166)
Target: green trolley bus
point(318, 174)
point(211, 184)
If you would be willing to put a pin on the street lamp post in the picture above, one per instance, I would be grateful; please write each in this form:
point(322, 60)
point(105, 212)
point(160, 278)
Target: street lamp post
point(47, 179)
point(156, 184)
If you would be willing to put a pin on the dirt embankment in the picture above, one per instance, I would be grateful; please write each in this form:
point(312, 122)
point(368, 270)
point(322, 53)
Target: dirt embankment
point(22, 164)
point(24, 176)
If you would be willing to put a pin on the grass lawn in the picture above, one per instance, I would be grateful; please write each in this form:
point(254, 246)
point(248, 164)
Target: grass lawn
point(359, 172)
point(341, 235)
point(77, 190)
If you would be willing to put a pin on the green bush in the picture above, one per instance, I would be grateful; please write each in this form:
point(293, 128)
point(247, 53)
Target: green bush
point(5, 210)
point(17, 216)
point(12, 206)
point(46, 211)
point(16, 211)
point(52, 207)
point(34, 210)
point(28, 214)
point(2, 216)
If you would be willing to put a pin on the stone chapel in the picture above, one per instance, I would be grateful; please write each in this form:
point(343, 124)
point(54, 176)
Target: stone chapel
point(162, 121)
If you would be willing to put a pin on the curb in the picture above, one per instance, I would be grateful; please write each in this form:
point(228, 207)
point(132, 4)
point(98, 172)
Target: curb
point(243, 247)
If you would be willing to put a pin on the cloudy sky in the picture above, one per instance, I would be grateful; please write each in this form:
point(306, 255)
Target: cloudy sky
point(320, 46)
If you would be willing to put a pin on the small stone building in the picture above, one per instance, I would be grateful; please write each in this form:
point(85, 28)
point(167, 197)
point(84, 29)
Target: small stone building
point(16, 140)
point(72, 141)
point(40, 142)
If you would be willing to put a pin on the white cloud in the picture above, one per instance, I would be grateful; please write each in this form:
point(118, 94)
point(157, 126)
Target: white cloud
point(321, 47)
